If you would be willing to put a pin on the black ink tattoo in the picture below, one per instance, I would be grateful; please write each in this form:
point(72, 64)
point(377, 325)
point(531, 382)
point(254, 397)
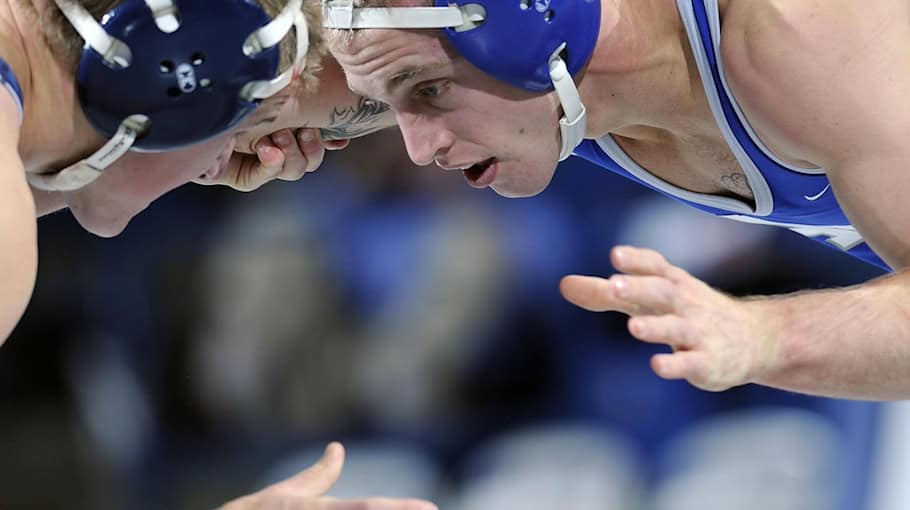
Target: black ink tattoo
point(355, 121)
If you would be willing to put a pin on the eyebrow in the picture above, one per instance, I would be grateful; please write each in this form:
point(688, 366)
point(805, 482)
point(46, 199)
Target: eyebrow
point(400, 78)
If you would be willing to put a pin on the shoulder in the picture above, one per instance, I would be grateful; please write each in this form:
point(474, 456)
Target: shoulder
point(808, 68)
point(774, 35)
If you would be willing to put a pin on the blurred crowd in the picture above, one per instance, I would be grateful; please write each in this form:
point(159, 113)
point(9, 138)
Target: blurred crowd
point(225, 338)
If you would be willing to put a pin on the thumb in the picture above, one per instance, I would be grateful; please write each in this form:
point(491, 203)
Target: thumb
point(320, 477)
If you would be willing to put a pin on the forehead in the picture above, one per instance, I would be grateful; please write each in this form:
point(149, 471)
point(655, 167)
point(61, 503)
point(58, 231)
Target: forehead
point(372, 58)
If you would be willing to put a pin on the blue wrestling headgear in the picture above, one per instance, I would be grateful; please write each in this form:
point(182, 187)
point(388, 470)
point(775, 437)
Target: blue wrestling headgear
point(157, 75)
point(536, 45)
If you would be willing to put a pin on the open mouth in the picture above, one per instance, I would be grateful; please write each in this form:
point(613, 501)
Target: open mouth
point(482, 174)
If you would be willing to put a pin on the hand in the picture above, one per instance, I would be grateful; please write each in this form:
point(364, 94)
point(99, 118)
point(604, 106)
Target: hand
point(305, 491)
point(718, 342)
point(283, 155)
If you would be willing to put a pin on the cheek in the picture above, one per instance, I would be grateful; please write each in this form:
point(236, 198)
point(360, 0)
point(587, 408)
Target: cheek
point(137, 179)
point(164, 172)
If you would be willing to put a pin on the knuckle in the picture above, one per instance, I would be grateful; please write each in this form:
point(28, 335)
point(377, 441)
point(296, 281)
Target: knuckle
point(603, 291)
point(677, 274)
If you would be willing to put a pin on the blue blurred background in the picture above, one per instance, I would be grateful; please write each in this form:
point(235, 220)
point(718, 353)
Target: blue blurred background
point(221, 341)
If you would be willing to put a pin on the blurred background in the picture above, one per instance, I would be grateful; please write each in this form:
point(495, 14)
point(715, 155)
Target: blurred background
point(225, 338)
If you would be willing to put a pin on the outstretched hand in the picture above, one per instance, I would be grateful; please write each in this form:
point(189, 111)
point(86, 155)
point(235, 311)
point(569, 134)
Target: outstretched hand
point(306, 490)
point(718, 341)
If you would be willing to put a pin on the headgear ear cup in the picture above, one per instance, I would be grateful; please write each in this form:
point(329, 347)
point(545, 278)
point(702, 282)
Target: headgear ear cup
point(187, 82)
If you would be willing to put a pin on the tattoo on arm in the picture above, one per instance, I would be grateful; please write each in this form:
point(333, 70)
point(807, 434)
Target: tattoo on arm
point(355, 121)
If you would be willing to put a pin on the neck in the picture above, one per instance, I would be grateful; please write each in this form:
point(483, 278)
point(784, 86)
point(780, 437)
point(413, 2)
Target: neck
point(54, 132)
point(641, 75)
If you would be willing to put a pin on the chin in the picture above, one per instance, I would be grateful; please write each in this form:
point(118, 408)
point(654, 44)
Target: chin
point(511, 193)
point(525, 188)
point(105, 230)
point(105, 226)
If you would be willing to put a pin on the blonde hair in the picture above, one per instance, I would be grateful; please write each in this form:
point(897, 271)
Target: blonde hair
point(67, 44)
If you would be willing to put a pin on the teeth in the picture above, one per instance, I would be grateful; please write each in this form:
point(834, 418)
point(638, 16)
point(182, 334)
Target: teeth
point(463, 167)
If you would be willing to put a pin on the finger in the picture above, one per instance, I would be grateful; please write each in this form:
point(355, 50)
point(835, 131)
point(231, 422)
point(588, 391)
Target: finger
point(375, 504)
point(652, 293)
point(669, 330)
point(318, 478)
point(271, 157)
point(336, 145)
point(230, 174)
point(295, 161)
point(591, 293)
point(640, 261)
point(678, 365)
point(313, 147)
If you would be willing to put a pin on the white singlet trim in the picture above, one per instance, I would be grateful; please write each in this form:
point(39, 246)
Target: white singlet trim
point(714, 22)
point(764, 201)
point(16, 99)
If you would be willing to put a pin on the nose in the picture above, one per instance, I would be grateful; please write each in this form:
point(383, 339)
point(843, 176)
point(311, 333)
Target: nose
point(424, 137)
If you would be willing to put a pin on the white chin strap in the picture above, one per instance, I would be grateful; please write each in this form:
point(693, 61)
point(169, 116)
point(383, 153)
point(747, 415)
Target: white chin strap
point(86, 171)
point(341, 14)
point(118, 54)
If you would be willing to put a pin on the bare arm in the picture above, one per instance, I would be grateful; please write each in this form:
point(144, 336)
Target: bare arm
point(823, 82)
point(288, 136)
point(18, 231)
point(337, 112)
point(852, 343)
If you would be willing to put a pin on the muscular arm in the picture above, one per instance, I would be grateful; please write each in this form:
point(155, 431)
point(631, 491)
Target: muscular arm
point(821, 81)
point(847, 343)
point(845, 67)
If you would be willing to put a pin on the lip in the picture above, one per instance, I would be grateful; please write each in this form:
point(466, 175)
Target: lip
point(485, 179)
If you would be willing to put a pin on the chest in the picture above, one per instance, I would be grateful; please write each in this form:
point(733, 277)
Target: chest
point(702, 163)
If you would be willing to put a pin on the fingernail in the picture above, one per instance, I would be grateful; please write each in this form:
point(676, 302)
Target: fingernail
point(306, 136)
point(621, 286)
point(636, 326)
point(619, 253)
point(283, 139)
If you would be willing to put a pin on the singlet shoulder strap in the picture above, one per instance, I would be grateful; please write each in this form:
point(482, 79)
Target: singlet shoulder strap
point(11, 84)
